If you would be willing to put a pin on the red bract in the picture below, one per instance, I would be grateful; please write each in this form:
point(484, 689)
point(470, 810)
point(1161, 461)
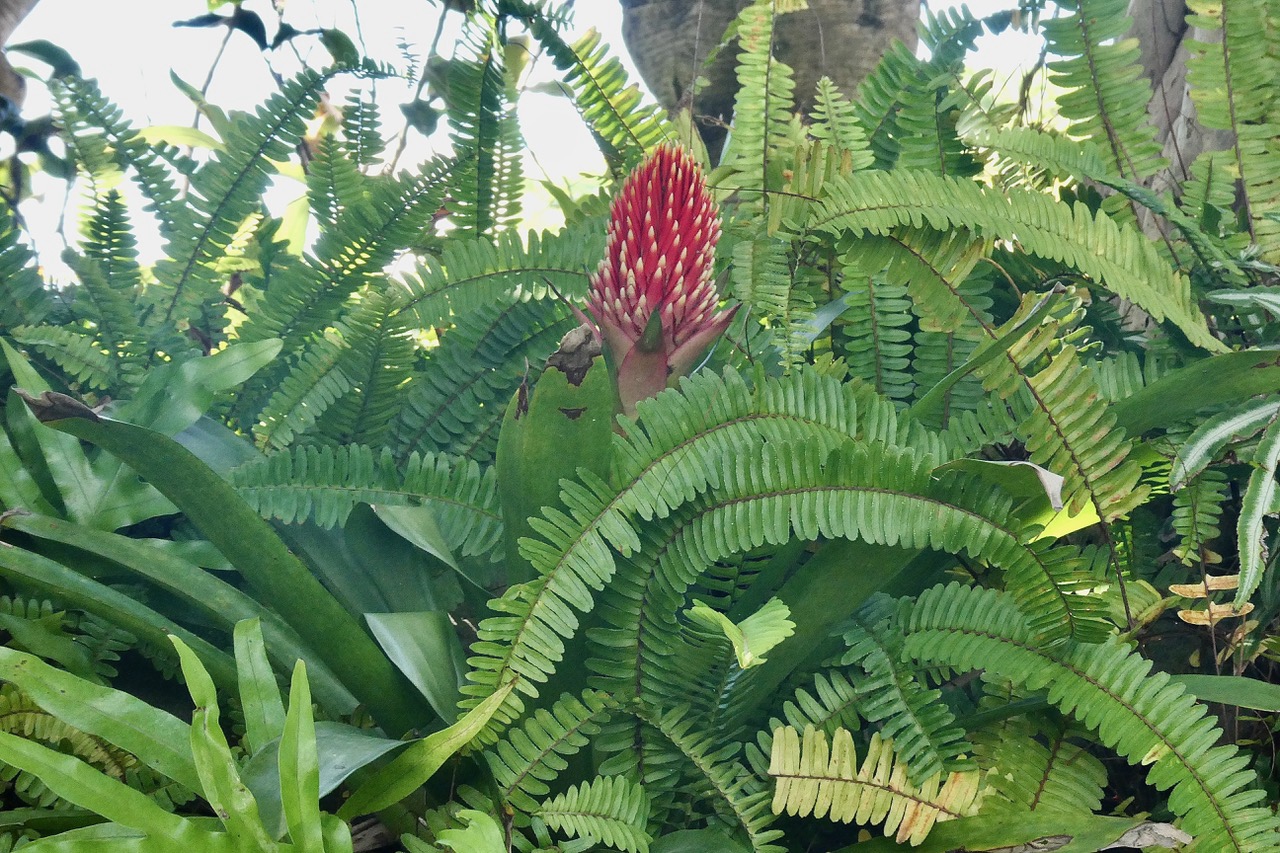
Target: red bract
point(652, 296)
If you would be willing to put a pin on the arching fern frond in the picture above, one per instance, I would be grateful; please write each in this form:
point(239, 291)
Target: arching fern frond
point(110, 279)
point(1096, 245)
point(1028, 774)
point(812, 779)
point(608, 810)
point(309, 387)
point(72, 350)
point(1104, 91)
point(921, 727)
point(1109, 687)
point(835, 122)
point(535, 752)
point(875, 331)
point(26, 299)
point(325, 484)
point(470, 274)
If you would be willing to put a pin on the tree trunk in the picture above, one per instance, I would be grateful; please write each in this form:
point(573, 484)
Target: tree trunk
point(12, 86)
point(670, 41)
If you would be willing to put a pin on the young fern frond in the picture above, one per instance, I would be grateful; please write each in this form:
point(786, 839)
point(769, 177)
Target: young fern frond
point(835, 122)
point(1197, 512)
point(110, 277)
point(1229, 80)
point(27, 301)
point(1110, 688)
point(334, 182)
point(534, 753)
point(1104, 91)
point(362, 140)
point(325, 483)
point(814, 779)
point(486, 194)
point(608, 810)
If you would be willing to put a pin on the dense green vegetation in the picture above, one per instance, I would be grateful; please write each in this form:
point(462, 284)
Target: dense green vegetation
point(278, 551)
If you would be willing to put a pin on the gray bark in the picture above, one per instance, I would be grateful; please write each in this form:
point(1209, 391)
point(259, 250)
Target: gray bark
point(12, 12)
point(670, 41)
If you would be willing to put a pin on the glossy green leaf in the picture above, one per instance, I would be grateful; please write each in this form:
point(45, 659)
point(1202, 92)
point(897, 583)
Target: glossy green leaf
point(275, 574)
point(179, 135)
point(1232, 690)
point(426, 648)
point(220, 779)
point(81, 784)
point(1074, 832)
point(1038, 490)
point(419, 762)
point(341, 750)
point(697, 841)
point(55, 580)
point(1208, 439)
point(264, 714)
point(159, 739)
point(201, 592)
point(1257, 298)
point(1259, 498)
point(46, 638)
point(299, 768)
point(1177, 396)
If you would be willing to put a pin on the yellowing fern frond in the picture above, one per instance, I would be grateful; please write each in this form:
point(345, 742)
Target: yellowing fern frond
point(814, 779)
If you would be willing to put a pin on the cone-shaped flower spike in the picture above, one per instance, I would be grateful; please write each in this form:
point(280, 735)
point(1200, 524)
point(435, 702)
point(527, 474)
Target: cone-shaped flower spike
point(652, 296)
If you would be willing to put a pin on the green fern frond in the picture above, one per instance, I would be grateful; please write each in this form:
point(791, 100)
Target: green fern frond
point(762, 110)
point(455, 403)
point(1109, 687)
point(624, 126)
point(835, 122)
point(534, 753)
point(717, 776)
point(486, 194)
point(110, 277)
point(470, 274)
point(1229, 85)
point(378, 359)
point(27, 301)
point(310, 386)
point(1050, 772)
point(1104, 90)
point(608, 810)
point(225, 192)
point(85, 113)
point(762, 280)
point(334, 182)
point(361, 131)
point(814, 779)
point(326, 483)
point(1117, 256)
point(76, 353)
point(875, 332)
point(921, 727)
point(1197, 512)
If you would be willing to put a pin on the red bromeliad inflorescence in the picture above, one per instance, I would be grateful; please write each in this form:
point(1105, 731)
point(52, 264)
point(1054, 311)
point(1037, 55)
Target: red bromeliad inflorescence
point(652, 297)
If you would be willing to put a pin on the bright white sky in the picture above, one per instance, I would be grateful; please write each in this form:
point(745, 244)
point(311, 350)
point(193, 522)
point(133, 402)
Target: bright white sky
point(131, 47)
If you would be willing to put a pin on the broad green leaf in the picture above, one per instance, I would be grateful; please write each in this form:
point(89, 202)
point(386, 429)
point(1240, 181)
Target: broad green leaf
point(264, 714)
point(1259, 497)
point(1204, 445)
point(413, 767)
point(299, 769)
point(753, 637)
point(159, 740)
point(275, 574)
point(426, 648)
point(18, 488)
point(46, 638)
point(55, 580)
point(417, 524)
point(1177, 396)
point(220, 780)
point(1258, 298)
point(342, 750)
point(198, 591)
point(1232, 690)
point(61, 63)
point(1038, 490)
point(293, 225)
point(175, 395)
point(1078, 832)
point(79, 783)
point(481, 834)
